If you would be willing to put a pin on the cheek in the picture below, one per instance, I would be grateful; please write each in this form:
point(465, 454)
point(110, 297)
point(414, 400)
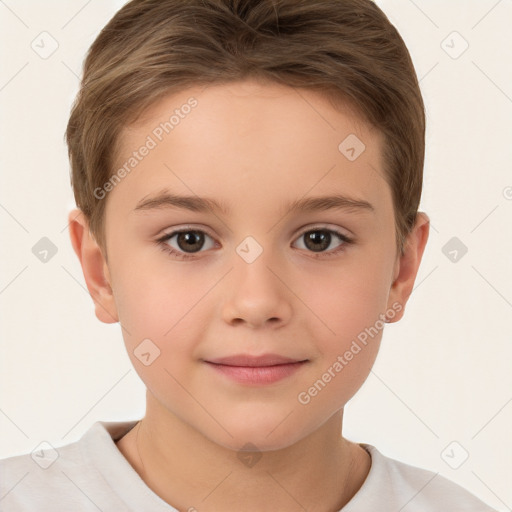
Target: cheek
point(160, 310)
point(347, 327)
point(348, 339)
point(151, 299)
point(346, 299)
point(158, 331)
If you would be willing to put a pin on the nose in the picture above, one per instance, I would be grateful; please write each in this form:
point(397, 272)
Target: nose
point(256, 296)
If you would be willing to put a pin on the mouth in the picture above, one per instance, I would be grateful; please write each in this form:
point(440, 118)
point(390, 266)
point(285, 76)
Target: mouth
point(256, 370)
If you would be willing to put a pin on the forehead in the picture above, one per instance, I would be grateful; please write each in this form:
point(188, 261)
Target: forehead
point(263, 137)
point(248, 108)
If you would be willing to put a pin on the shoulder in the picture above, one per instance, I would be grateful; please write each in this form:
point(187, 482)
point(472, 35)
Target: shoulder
point(56, 478)
point(411, 489)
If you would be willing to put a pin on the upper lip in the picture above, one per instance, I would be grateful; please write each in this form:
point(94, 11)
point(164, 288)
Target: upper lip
point(254, 361)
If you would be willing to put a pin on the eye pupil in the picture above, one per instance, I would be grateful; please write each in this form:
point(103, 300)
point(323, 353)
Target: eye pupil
point(190, 240)
point(318, 237)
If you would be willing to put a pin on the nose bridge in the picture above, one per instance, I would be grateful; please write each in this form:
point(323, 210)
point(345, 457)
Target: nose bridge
point(255, 295)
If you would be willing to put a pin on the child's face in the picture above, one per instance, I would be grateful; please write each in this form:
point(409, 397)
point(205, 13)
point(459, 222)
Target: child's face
point(253, 149)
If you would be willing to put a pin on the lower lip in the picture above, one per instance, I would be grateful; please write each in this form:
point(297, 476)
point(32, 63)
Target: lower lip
point(258, 374)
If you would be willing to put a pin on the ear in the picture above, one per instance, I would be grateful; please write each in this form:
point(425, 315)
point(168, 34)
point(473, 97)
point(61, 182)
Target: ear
point(407, 265)
point(94, 266)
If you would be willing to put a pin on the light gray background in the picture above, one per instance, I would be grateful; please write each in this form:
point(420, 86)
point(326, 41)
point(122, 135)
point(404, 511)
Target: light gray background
point(443, 373)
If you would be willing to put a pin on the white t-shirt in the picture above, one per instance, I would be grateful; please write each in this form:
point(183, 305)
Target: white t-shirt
point(92, 475)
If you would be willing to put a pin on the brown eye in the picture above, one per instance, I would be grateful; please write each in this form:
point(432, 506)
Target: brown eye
point(190, 241)
point(187, 241)
point(323, 240)
point(317, 240)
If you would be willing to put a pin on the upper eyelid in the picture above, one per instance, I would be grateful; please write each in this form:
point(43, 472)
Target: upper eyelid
point(319, 227)
point(167, 235)
point(301, 230)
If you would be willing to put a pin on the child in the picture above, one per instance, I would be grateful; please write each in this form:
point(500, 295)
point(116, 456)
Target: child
point(254, 129)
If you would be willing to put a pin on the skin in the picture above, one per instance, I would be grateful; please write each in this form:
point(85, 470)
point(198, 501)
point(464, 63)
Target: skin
point(254, 147)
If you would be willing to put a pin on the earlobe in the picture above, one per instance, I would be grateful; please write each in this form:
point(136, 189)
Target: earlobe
point(94, 267)
point(407, 266)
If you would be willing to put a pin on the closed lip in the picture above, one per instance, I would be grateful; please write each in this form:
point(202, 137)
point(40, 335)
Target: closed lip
point(246, 360)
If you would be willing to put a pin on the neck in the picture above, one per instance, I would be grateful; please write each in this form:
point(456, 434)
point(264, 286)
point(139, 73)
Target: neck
point(320, 472)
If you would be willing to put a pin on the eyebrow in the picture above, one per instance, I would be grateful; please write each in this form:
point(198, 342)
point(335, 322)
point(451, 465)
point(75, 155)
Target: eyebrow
point(165, 200)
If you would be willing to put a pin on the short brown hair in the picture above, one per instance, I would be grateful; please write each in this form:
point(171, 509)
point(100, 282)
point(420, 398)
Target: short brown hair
point(345, 49)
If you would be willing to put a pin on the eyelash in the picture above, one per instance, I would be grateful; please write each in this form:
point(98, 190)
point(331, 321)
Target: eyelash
point(162, 242)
